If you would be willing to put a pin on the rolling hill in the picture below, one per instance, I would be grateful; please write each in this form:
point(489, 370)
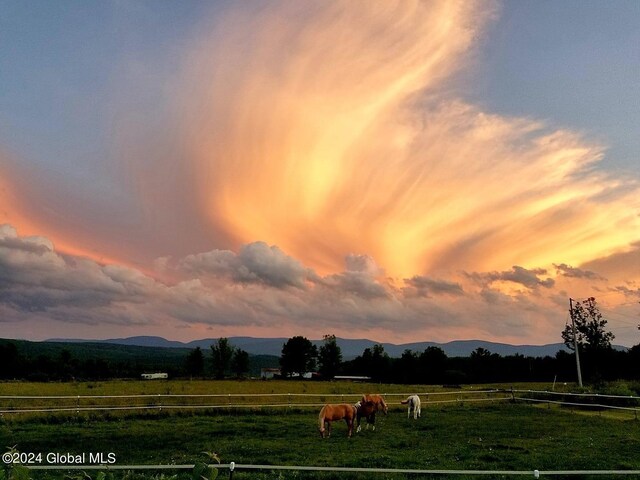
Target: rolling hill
point(350, 347)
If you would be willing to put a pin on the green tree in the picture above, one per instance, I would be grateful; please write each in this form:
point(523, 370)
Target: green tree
point(240, 363)
point(329, 357)
point(365, 361)
point(591, 333)
point(298, 356)
point(480, 354)
point(594, 341)
point(484, 365)
point(380, 363)
point(221, 353)
point(11, 362)
point(405, 368)
point(432, 365)
point(194, 364)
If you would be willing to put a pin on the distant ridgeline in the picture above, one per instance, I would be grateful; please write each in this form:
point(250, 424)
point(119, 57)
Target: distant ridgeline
point(429, 363)
point(350, 348)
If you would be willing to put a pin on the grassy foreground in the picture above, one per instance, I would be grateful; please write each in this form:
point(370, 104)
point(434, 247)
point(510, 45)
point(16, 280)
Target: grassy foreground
point(497, 436)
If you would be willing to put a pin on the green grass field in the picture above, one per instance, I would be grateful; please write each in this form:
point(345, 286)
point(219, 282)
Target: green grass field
point(486, 436)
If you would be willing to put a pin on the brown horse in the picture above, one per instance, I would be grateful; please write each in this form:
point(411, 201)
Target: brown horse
point(330, 413)
point(367, 408)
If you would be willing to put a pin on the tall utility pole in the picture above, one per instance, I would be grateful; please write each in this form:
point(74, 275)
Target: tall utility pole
point(575, 342)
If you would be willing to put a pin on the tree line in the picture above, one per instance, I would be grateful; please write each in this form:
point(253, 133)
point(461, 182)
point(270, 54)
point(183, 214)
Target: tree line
point(299, 355)
point(600, 362)
point(433, 366)
point(64, 366)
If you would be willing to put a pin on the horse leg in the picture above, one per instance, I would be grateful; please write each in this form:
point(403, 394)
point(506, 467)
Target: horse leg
point(359, 426)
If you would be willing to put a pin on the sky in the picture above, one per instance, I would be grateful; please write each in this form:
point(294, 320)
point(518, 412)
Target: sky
point(400, 171)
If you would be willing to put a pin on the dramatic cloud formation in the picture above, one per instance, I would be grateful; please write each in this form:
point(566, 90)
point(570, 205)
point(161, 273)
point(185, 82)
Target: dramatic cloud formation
point(323, 152)
point(427, 286)
point(313, 169)
point(569, 271)
point(256, 262)
point(260, 287)
point(527, 278)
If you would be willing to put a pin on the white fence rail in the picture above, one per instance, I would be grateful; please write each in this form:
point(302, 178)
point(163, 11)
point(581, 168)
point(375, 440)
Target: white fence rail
point(232, 467)
point(16, 404)
point(597, 400)
point(83, 403)
point(13, 404)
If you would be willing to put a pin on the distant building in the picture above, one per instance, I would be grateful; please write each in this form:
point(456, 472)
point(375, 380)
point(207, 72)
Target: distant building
point(154, 376)
point(267, 373)
point(352, 378)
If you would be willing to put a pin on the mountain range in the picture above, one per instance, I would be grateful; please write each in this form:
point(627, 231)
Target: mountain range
point(350, 348)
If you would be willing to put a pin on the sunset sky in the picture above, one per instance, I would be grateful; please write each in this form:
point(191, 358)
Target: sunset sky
point(399, 171)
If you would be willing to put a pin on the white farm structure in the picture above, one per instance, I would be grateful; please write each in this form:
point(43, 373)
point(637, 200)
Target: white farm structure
point(154, 376)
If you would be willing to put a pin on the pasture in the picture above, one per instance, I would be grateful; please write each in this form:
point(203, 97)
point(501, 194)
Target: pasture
point(457, 435)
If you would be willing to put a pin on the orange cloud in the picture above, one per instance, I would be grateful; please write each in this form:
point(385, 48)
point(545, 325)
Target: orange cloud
point(27, 204)
point(279, 107)
point(303, 127)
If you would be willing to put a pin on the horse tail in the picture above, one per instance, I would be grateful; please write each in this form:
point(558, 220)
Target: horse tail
point(404, 402)
point(321, 417)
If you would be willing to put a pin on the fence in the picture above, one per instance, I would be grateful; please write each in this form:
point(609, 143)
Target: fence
point(232, 467)
point(17, 404)
point(627, 403)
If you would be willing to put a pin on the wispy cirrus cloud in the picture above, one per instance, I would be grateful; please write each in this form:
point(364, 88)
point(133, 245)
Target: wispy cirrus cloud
point(393, 164)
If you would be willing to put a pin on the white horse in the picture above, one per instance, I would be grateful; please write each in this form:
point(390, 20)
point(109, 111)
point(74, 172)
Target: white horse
point(414, 406)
